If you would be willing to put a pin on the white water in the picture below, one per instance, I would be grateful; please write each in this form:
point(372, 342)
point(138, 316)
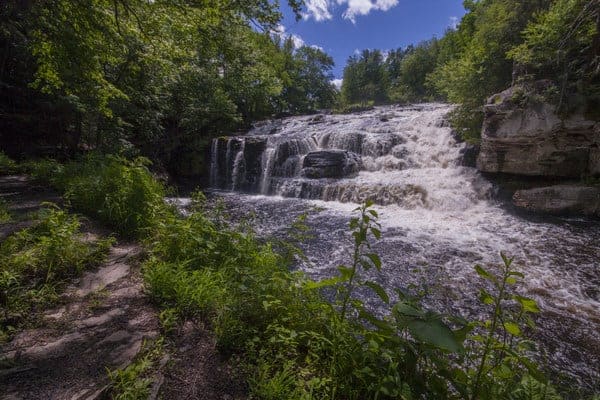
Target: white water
point(437, 216)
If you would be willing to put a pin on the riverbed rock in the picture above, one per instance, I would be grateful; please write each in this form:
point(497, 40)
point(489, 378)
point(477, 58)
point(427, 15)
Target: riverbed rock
point(560, 200)
point(331, 164)
point(522, 134)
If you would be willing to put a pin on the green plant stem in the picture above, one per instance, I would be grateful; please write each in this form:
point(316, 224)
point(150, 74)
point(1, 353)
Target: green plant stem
point(488, 342)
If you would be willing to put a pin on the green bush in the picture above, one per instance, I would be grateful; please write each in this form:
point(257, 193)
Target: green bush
point(299, 343)
point(116, 191)
point(7, 166)
point(135, 381)
point(4, 212)
point(35, 262)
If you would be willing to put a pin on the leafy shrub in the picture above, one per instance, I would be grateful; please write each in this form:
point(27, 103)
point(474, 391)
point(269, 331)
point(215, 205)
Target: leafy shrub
point(4, 212)
point(118, 192)
point(36, 261)
point(43, 170)
point(298, 344)
point(7, 166)
point(134, 381)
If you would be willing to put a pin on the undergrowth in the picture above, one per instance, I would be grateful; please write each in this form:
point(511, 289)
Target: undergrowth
point(305, 339)
point(7, 166)
point(134, 382)
point(116, 191)
point(37, 261)
point(299, 345)
point(4, 212)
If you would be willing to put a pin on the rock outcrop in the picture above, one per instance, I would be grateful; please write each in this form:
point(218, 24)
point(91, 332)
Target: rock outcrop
point(523, 135)
point(330, 164)
point(560, 200)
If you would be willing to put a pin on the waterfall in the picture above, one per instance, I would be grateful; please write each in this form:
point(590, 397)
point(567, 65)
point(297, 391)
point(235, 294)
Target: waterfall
point(214, 164)
point(392, 155)
point(239, 168)
point(438, 216)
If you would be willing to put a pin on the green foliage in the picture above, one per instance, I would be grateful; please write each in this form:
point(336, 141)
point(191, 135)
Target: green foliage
point(118, 192)
point(156, 74)
point(135, 381)
point(306, 75)
point(562, 44)
point(365, 79)
point(4, 212)
point(502, 352)
point(36, 261)
point(7, 166)
point(299, 345)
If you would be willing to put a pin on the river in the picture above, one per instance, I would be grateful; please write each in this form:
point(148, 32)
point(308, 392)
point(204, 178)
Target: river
point(439, 218)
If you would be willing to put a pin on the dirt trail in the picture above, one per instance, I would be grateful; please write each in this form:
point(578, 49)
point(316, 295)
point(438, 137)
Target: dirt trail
point(101, 322)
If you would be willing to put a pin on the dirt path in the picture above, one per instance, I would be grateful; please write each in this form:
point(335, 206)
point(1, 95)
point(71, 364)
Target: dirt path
point(101, 322)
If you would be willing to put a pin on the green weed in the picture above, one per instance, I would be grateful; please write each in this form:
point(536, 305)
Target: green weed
point(4, 212)
point(7, 166)
point(35, 262)
point(116, 191)
point(135, 381)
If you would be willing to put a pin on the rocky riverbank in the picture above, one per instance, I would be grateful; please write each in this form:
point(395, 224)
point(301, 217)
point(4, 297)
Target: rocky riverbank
point(524, 135)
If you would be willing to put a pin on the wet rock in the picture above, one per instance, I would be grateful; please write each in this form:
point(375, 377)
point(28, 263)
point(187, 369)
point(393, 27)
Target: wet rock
point(560, 200)
point(317, 119)
point(330, 164)
point(524, 135)
point(468, 155)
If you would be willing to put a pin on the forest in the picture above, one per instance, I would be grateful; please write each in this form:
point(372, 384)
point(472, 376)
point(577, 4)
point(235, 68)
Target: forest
point(109, 107)
point(161, 76)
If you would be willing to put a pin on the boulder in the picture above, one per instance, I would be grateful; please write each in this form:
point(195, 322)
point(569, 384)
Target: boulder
point(560, 200)
point(330, 164)
point(524, 135)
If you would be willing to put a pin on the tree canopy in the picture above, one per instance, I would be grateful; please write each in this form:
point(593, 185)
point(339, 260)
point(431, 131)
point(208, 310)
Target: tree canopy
point(155, 74)
point(497, 43)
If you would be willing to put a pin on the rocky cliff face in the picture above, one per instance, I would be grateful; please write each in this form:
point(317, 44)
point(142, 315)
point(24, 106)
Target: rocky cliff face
point(525, 136)
point(560, 200)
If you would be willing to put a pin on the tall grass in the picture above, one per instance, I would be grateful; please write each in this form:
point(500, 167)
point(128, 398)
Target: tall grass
point(116, 191)
point(37, 261)
point(7, 166)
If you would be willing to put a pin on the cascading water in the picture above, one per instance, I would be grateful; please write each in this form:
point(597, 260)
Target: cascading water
point(439, 217)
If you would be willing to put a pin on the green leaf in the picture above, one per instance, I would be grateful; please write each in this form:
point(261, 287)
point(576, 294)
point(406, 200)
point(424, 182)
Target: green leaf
point(406, 309)
point(507, 261)
point(512, 328)
point(529, 305)
point(379, 291)
point(485, 297)
point(435, 333)
point(375, 260)
point(484, 274)
point(311, 285)
point(345, 272)
point(376, 232)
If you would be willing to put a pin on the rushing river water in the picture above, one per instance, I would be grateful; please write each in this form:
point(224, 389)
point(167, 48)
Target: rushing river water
point(439, 218)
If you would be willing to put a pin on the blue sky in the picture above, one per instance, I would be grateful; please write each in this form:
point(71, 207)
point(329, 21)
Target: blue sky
point(341, 27)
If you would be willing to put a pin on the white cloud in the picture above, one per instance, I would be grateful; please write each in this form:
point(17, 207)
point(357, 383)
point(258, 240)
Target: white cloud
point(314, 46)
point(337, 83)
point(453, 22)
point(318, 9)
point(281, 32)
point(364, 7)
point(298, 41)
point(321, 10)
